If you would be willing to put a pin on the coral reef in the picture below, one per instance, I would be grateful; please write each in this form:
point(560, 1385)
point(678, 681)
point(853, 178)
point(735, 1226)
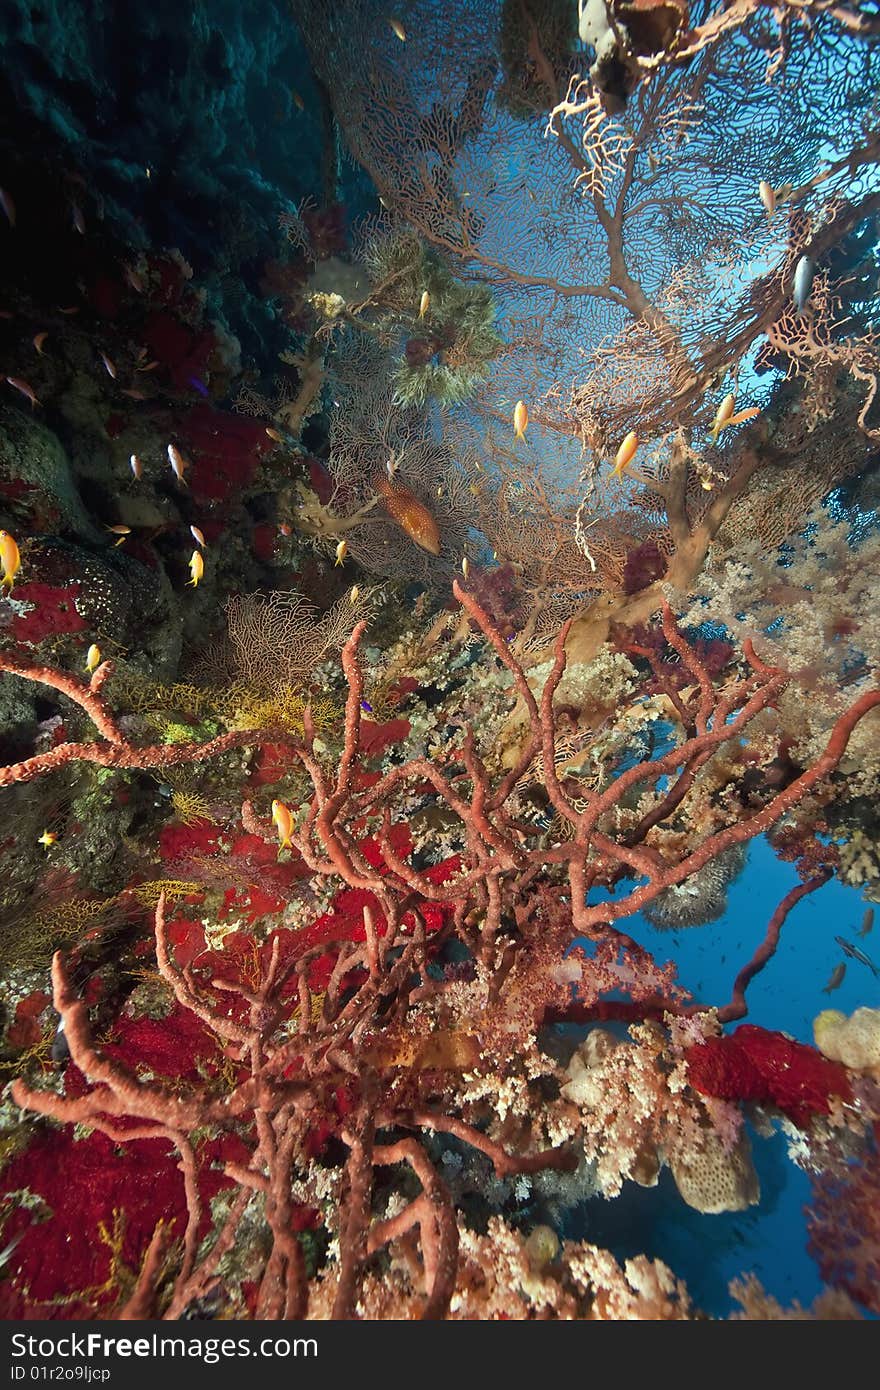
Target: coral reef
point(438, 659)
point(348, 1020)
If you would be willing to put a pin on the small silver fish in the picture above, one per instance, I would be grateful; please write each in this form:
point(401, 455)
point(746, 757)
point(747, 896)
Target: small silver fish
point(8, 206)
point(60, 1051)
point(855, 954)
point(133, 278)
point(6, 1253)
point(867, 922)
point(836, 979)
point(803, 281)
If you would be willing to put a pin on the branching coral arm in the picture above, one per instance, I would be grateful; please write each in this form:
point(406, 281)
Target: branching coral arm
point(84, 694)
point(586, 919)
point(434, 1216)
point(737, 1006)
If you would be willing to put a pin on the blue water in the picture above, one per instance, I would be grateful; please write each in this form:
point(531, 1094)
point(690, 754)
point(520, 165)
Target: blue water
point(770, 1239)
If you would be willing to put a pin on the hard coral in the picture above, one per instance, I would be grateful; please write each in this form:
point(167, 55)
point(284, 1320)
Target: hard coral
point(711, 1178)
point(701, 898)
point(114, 595)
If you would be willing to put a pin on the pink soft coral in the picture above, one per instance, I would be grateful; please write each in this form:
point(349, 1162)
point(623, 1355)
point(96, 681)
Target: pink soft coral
point(844, 1226)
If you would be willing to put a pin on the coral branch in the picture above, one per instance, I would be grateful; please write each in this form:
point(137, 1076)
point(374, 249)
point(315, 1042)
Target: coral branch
point(737, 1007)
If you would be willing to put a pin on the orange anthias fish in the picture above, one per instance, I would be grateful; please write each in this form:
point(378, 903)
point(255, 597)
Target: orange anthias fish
point(750, 413)
point(10, 559)
point(198, 537)
point(196, 568)
point(411, 515)
point(283, 823)
point(179, 464)
point(625, 454)
point(725, 416)
point(520, 420)
point(767, 194)
point(18, 384)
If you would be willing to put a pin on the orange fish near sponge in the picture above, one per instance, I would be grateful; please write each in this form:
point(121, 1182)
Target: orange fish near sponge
point(411, 515)
point(10, 559)
point(283, 823)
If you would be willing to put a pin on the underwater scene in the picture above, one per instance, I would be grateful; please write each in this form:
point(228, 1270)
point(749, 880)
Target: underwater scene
point(439, 644)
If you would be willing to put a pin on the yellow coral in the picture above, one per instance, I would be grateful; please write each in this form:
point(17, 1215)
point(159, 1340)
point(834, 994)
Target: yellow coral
point(121, 1279)
point(143, 697)
point(190, 806)
point(38, 934)
point(39, 1053)
point(149, 893)
point(245, 706)
point(172, 730)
